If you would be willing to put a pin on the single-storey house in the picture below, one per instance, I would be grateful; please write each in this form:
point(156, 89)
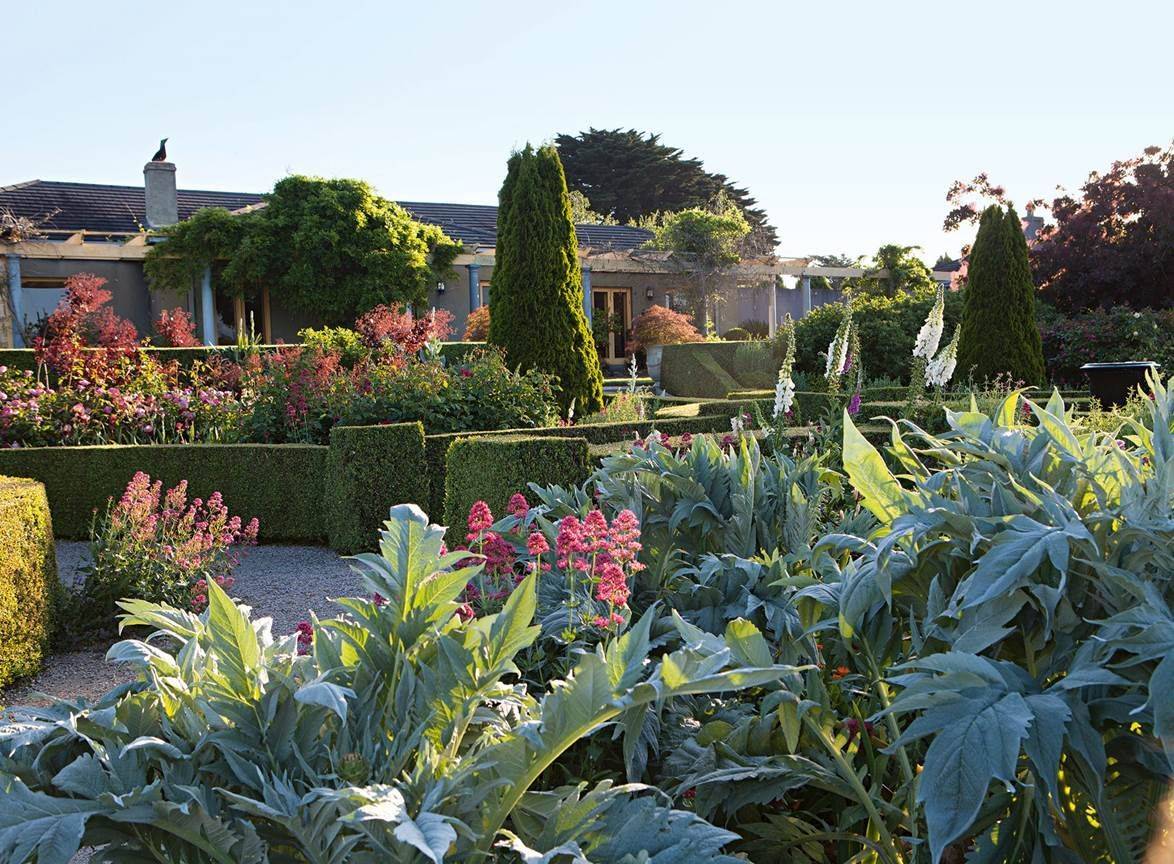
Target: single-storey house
point(105, 229)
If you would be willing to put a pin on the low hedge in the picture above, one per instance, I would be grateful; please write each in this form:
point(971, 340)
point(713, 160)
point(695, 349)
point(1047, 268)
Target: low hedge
point(29, 589)
point(436, 446)
point(282, 485)
point(369, 469)
point(491, 469)
point(456, 352)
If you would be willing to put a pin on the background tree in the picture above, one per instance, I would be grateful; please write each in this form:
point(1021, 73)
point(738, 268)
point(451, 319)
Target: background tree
point(536, 306)
point(704, 244)
point(631, 175)
point(331, 248)
point(907, 274)
point(999, 332)
point(1114, 244)
point(583, 214)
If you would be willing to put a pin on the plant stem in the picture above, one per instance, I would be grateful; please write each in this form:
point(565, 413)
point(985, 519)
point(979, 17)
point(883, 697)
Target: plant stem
point(852, 780)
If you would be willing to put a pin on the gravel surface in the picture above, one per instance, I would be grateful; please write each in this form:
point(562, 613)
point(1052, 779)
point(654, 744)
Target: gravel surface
point(282, 582)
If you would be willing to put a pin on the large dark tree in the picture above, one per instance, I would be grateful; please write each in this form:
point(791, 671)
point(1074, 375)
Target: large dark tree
point(630, 174)
point(1114, 244)
point(536, 305)
point(999, 332)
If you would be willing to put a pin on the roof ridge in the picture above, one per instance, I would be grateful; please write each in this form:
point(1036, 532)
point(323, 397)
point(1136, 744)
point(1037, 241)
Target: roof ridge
point(20, 185)
point(124, 187)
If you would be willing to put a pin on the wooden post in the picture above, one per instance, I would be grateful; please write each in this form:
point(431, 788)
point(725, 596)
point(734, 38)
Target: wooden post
point(772, 305)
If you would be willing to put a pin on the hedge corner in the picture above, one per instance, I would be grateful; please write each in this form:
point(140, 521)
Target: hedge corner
point(29, 588)
point(491, 469)
point(369, 469)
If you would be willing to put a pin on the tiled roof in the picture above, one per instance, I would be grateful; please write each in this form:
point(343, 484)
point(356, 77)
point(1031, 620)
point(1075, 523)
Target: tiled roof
point(100, 207)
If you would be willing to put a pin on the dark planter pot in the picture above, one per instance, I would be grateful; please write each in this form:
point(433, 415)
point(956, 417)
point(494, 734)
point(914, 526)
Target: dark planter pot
point(1113, 383)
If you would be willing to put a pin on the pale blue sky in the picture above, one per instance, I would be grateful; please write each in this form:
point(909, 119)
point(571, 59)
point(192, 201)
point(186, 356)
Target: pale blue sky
point(847, 121)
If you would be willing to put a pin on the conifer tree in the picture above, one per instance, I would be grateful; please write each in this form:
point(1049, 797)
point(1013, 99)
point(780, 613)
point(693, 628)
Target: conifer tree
point(536, 303)
point(999, 332)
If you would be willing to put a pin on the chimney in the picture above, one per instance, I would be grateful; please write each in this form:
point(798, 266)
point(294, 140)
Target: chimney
point(159, 187)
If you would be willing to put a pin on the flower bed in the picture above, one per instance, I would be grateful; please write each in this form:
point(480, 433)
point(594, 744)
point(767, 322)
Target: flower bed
point(97, 384)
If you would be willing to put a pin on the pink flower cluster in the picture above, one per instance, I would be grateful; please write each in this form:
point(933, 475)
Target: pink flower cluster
point(170, 548)
point(605, 555)
point(595, 558)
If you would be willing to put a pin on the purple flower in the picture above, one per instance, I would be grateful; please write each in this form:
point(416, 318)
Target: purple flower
point(854, 404)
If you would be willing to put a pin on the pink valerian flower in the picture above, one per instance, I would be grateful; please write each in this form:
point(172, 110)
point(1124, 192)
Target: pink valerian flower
point(536, 544)
point(612, 587)
point(606, 622)
point(305, 633)
point(518, 507)
point(597, 559)
point(480, 519)
point(175, 548)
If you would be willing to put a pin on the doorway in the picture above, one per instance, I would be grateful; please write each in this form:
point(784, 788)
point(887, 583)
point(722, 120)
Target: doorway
point(611, 308)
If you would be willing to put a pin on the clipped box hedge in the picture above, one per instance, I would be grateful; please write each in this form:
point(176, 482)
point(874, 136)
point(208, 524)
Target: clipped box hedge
point(368, 470)
point(699, 369)
point(29, 589)
point(493, 468)
point(282, 485)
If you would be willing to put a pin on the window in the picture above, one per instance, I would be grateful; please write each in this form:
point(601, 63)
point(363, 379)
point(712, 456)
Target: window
point(483, 293)
point(41, 296)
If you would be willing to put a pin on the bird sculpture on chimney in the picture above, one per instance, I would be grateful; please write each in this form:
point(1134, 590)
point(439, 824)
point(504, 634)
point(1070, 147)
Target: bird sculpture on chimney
point(161, 153)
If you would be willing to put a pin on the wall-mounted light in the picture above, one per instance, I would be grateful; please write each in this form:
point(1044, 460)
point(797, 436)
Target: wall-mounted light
point(439, 287)
point(648, 294)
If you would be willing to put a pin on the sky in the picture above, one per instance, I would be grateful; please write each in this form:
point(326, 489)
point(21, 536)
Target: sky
point(847, 121)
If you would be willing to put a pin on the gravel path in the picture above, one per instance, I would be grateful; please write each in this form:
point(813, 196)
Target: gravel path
point(283, 582)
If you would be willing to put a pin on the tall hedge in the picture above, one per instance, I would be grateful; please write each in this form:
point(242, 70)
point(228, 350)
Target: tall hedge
point(999, 331)
point(368, 470)
point(536, 304)
point(492, 469)
point(29, 589)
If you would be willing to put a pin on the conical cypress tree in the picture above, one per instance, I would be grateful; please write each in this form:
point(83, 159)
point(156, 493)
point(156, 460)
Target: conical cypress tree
point(999, 333)
point(536, 302)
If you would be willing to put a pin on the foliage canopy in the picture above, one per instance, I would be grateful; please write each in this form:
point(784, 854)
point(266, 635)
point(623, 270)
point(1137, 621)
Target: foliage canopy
point(630, 175)
point(330, 248)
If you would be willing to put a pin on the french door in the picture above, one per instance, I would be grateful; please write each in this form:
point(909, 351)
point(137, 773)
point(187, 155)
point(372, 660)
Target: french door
point(613, 305)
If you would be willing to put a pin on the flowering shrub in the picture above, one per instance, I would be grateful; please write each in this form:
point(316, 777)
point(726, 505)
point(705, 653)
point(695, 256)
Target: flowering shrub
point(477, 325)
point(1099, 336)
point(125, 396)
point(399, 331)
point(82, 319)
point(161, 547)
point(176, 329)
point(302, 393)
point(659, 325)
